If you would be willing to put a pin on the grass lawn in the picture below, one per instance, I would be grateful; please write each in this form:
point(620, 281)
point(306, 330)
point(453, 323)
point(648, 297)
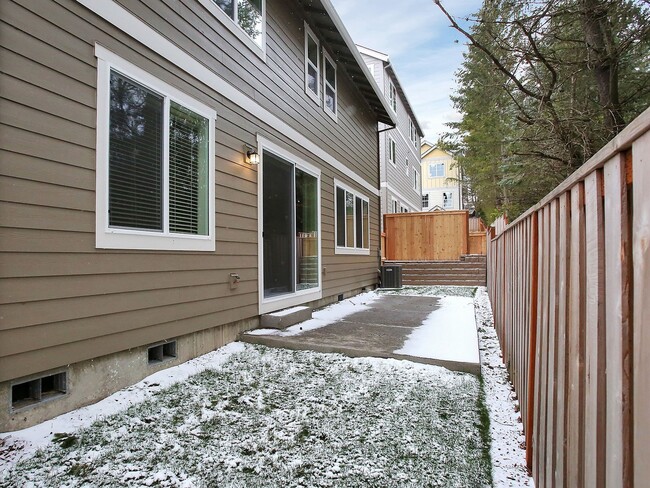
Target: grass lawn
point(279, 418)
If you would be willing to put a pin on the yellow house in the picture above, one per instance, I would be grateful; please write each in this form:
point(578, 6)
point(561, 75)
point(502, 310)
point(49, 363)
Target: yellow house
point(441, 189)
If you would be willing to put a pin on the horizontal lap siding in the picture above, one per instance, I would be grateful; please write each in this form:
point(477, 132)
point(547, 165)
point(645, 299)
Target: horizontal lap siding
point(63, 300)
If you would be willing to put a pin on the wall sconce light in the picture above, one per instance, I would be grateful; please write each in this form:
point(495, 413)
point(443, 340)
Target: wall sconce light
point(252, 157)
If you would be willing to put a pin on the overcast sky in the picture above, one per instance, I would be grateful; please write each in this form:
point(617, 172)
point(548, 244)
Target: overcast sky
point(420, 43)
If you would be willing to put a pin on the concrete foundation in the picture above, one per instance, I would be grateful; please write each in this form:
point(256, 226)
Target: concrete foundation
point(90, 381)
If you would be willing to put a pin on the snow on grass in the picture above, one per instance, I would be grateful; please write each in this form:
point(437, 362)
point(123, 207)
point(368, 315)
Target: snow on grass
point(449, 332)
point(432, 291)
point(506, 430)
point(272, 417)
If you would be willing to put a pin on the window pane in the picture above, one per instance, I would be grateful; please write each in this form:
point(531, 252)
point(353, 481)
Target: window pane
point(349, 219)
point(312, 50)
point(340, 217)
point(135, 156)
point(249, 16)
point(307, 262)
point(312, 78)
point(358, 221)
point(278, 225)
point(188, 171)
point(330, 99)
point(366, 225)
point(227, 6)
point(330, 73)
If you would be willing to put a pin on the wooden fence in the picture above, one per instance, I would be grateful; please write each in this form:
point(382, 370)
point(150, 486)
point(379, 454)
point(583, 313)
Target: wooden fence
point(569, 283)
point(426, 236)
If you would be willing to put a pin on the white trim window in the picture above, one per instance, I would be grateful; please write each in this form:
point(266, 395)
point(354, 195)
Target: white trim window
point(425, 201)
point(352, 216)
point(413, 134)
point(330, 103)
point(436, 170)
point(392, 96)
point(155, 162)
point(416, 180)
point(447, 200)
point(406, 168)
point(244, 18)
point(312, 65)
point(396, 206)
point(392, 151)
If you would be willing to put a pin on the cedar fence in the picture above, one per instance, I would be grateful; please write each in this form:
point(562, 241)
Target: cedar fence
point(431, 236)
point(569, 283)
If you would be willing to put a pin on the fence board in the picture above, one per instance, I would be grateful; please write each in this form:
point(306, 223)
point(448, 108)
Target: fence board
point(575, 339)
point(641, 314)
point(617, 313)
point(594, 337)
point(560, 391)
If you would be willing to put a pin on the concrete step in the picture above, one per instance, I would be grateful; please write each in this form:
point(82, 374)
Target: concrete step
point(285, 318)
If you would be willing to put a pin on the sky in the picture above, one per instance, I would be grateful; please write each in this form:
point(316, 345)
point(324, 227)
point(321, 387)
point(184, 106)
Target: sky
point(422, 49)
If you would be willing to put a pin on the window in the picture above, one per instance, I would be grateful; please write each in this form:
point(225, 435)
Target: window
point(437, 170)
point(425, 200)
point(413, 132)
point(416, 180)
point(392, 96)
point(352, 221)
point(406, 168)
point(248, 15)
point(447, 200)
point(329, 86)
point(155, 164)
point(395, 206)
point(312, 65)
point(392, 149)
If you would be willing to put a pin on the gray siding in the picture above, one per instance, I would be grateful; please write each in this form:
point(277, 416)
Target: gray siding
point(62, 300)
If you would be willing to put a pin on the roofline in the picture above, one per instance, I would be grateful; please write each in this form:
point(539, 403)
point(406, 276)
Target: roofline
point(343, 32)
point(372, 53)
point(409, 108)
point(387, 65)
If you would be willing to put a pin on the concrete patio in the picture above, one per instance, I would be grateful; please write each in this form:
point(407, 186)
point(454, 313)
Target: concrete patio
point(381, 329)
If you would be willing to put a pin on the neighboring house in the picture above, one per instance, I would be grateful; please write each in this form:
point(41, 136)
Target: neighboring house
point(136, 233)
point(399, 147)
point(441, 188)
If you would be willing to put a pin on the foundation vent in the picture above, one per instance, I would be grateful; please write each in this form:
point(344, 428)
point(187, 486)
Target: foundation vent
point(161, 352)
point(38, 390)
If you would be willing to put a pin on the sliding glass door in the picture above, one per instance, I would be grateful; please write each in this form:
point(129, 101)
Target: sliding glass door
point(289, 228)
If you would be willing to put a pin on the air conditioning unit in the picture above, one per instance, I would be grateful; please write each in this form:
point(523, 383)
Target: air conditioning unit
point(391, 277)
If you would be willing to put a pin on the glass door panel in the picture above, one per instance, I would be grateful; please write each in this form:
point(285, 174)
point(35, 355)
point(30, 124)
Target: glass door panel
point(278, 226)
point(307, 259)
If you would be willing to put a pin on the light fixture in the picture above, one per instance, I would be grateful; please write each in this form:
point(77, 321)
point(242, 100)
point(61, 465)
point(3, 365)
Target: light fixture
point(252, 157)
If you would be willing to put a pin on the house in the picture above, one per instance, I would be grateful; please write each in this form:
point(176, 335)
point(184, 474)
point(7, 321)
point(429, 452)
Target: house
point(399, 154)
point(441, 187)
point(171, 171)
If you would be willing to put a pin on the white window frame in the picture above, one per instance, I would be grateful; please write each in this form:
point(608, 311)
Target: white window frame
point(344, 249)
point(234, 27)
point(314, 96)
point(328, 59)
point(412, 132)
point(124, 238)
point(436, 164)
point(407, 166)
point(425, 205)
point(267, 305)
point(392, 151)
point(392, 96)
point(416, 180)
point(396, 205)
point(448, 203)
